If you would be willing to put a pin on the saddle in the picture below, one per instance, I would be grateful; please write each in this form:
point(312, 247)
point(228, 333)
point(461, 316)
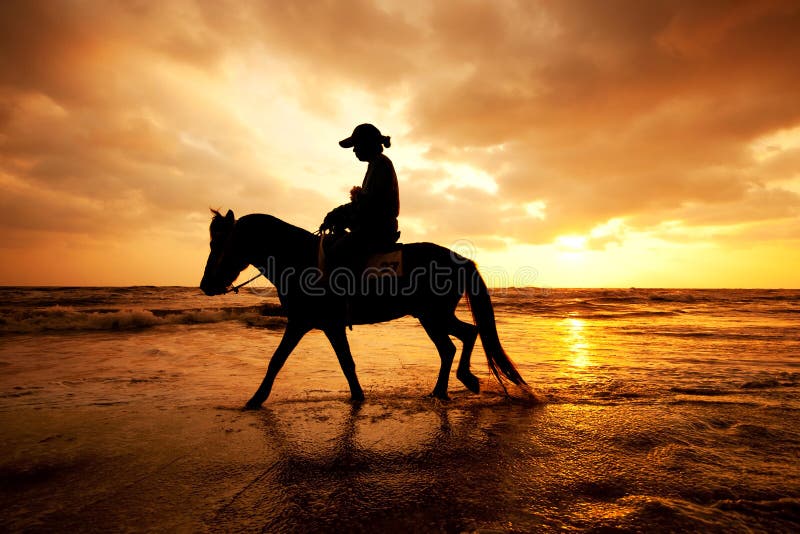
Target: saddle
point(386, 263)
point(382, 262)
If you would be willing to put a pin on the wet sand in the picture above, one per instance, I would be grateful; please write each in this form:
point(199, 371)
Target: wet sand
point(399, 464)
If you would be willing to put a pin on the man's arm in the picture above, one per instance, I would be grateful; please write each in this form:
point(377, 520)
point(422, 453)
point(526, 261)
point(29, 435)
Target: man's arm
point(339, 218)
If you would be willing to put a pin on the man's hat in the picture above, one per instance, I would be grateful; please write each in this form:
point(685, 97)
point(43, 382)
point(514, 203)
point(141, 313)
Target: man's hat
point(362, 132)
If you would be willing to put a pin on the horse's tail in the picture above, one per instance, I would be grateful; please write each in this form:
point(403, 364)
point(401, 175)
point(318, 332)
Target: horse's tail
point(483, 313)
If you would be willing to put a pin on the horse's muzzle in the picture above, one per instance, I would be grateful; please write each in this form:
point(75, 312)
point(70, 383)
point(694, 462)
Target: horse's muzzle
point(211, 289)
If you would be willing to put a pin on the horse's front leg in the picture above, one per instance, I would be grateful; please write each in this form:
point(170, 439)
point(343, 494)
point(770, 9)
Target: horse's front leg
point(338, 338)
point(291, 337)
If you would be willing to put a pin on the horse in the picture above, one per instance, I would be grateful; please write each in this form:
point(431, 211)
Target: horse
point(433, 281)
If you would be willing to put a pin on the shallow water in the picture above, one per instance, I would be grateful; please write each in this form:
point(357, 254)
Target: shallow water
point(663, 410)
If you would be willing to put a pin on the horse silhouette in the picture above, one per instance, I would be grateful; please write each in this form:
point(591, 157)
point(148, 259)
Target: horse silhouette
point(434, 280)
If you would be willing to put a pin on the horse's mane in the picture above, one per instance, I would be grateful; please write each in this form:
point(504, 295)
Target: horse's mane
point(282, 234)
point(265, 219)
point(272, 224)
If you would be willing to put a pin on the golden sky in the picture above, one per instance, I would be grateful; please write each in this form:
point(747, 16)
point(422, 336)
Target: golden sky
point(559, 143)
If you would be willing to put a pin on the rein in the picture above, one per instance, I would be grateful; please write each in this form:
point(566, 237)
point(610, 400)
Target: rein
point(235, 289)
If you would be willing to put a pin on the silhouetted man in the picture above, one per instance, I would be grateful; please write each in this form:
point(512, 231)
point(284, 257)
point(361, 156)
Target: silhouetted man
point(371, 214)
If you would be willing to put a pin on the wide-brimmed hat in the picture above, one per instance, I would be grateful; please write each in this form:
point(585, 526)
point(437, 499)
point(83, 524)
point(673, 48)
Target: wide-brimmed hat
point(362, 132)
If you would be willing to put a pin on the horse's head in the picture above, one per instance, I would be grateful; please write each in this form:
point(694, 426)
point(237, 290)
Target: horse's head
point(225, 261)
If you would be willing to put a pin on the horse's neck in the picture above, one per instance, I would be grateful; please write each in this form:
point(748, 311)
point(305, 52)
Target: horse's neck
point(276, 245)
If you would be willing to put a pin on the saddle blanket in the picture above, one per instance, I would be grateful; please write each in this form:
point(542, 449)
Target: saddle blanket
point(386, 263)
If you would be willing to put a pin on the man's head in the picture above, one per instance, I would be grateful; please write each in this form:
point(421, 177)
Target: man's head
point(366, 141)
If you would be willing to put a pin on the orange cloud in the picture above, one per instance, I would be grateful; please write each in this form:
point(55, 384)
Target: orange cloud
point(121, 115)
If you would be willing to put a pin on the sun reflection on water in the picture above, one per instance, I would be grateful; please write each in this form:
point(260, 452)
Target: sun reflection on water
point(576, 342)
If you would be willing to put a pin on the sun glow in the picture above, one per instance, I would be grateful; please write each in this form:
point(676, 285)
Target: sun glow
point(571, 243)
point(571, 247)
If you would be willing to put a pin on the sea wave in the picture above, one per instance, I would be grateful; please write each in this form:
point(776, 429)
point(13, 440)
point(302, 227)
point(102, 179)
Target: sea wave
point(69, 319)
point(584, 309)
point(720, 334)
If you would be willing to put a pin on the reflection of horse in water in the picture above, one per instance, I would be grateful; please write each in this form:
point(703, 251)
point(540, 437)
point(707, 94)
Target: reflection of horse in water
point(385, 466)
point(436, 278)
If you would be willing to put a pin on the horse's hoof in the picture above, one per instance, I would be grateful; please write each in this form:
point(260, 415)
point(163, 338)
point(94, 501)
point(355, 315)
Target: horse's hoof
point(357, 397)
point(471, 382)
point(252, 405)
point(441, 396)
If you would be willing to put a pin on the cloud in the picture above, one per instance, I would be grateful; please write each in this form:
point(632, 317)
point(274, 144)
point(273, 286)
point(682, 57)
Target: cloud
point(112, 124)
point(623, 109)
point(119, 115)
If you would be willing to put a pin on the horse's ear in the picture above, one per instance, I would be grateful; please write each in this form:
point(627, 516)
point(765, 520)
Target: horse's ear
point(229, 216)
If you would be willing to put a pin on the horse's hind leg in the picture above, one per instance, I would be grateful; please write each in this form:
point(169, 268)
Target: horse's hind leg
point(467, 333)
point(437, 331)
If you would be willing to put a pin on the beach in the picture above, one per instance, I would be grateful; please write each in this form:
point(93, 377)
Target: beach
point(658, 410)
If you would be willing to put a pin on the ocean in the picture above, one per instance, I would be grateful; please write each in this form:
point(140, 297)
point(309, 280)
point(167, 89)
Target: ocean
point(659, 410)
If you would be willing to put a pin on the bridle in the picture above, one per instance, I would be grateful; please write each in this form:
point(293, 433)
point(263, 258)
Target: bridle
point(235, 289)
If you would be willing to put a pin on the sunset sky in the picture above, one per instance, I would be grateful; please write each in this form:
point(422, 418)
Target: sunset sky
point(558, 143)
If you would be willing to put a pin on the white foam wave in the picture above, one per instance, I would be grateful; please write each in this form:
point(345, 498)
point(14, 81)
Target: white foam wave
point(66, 318)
